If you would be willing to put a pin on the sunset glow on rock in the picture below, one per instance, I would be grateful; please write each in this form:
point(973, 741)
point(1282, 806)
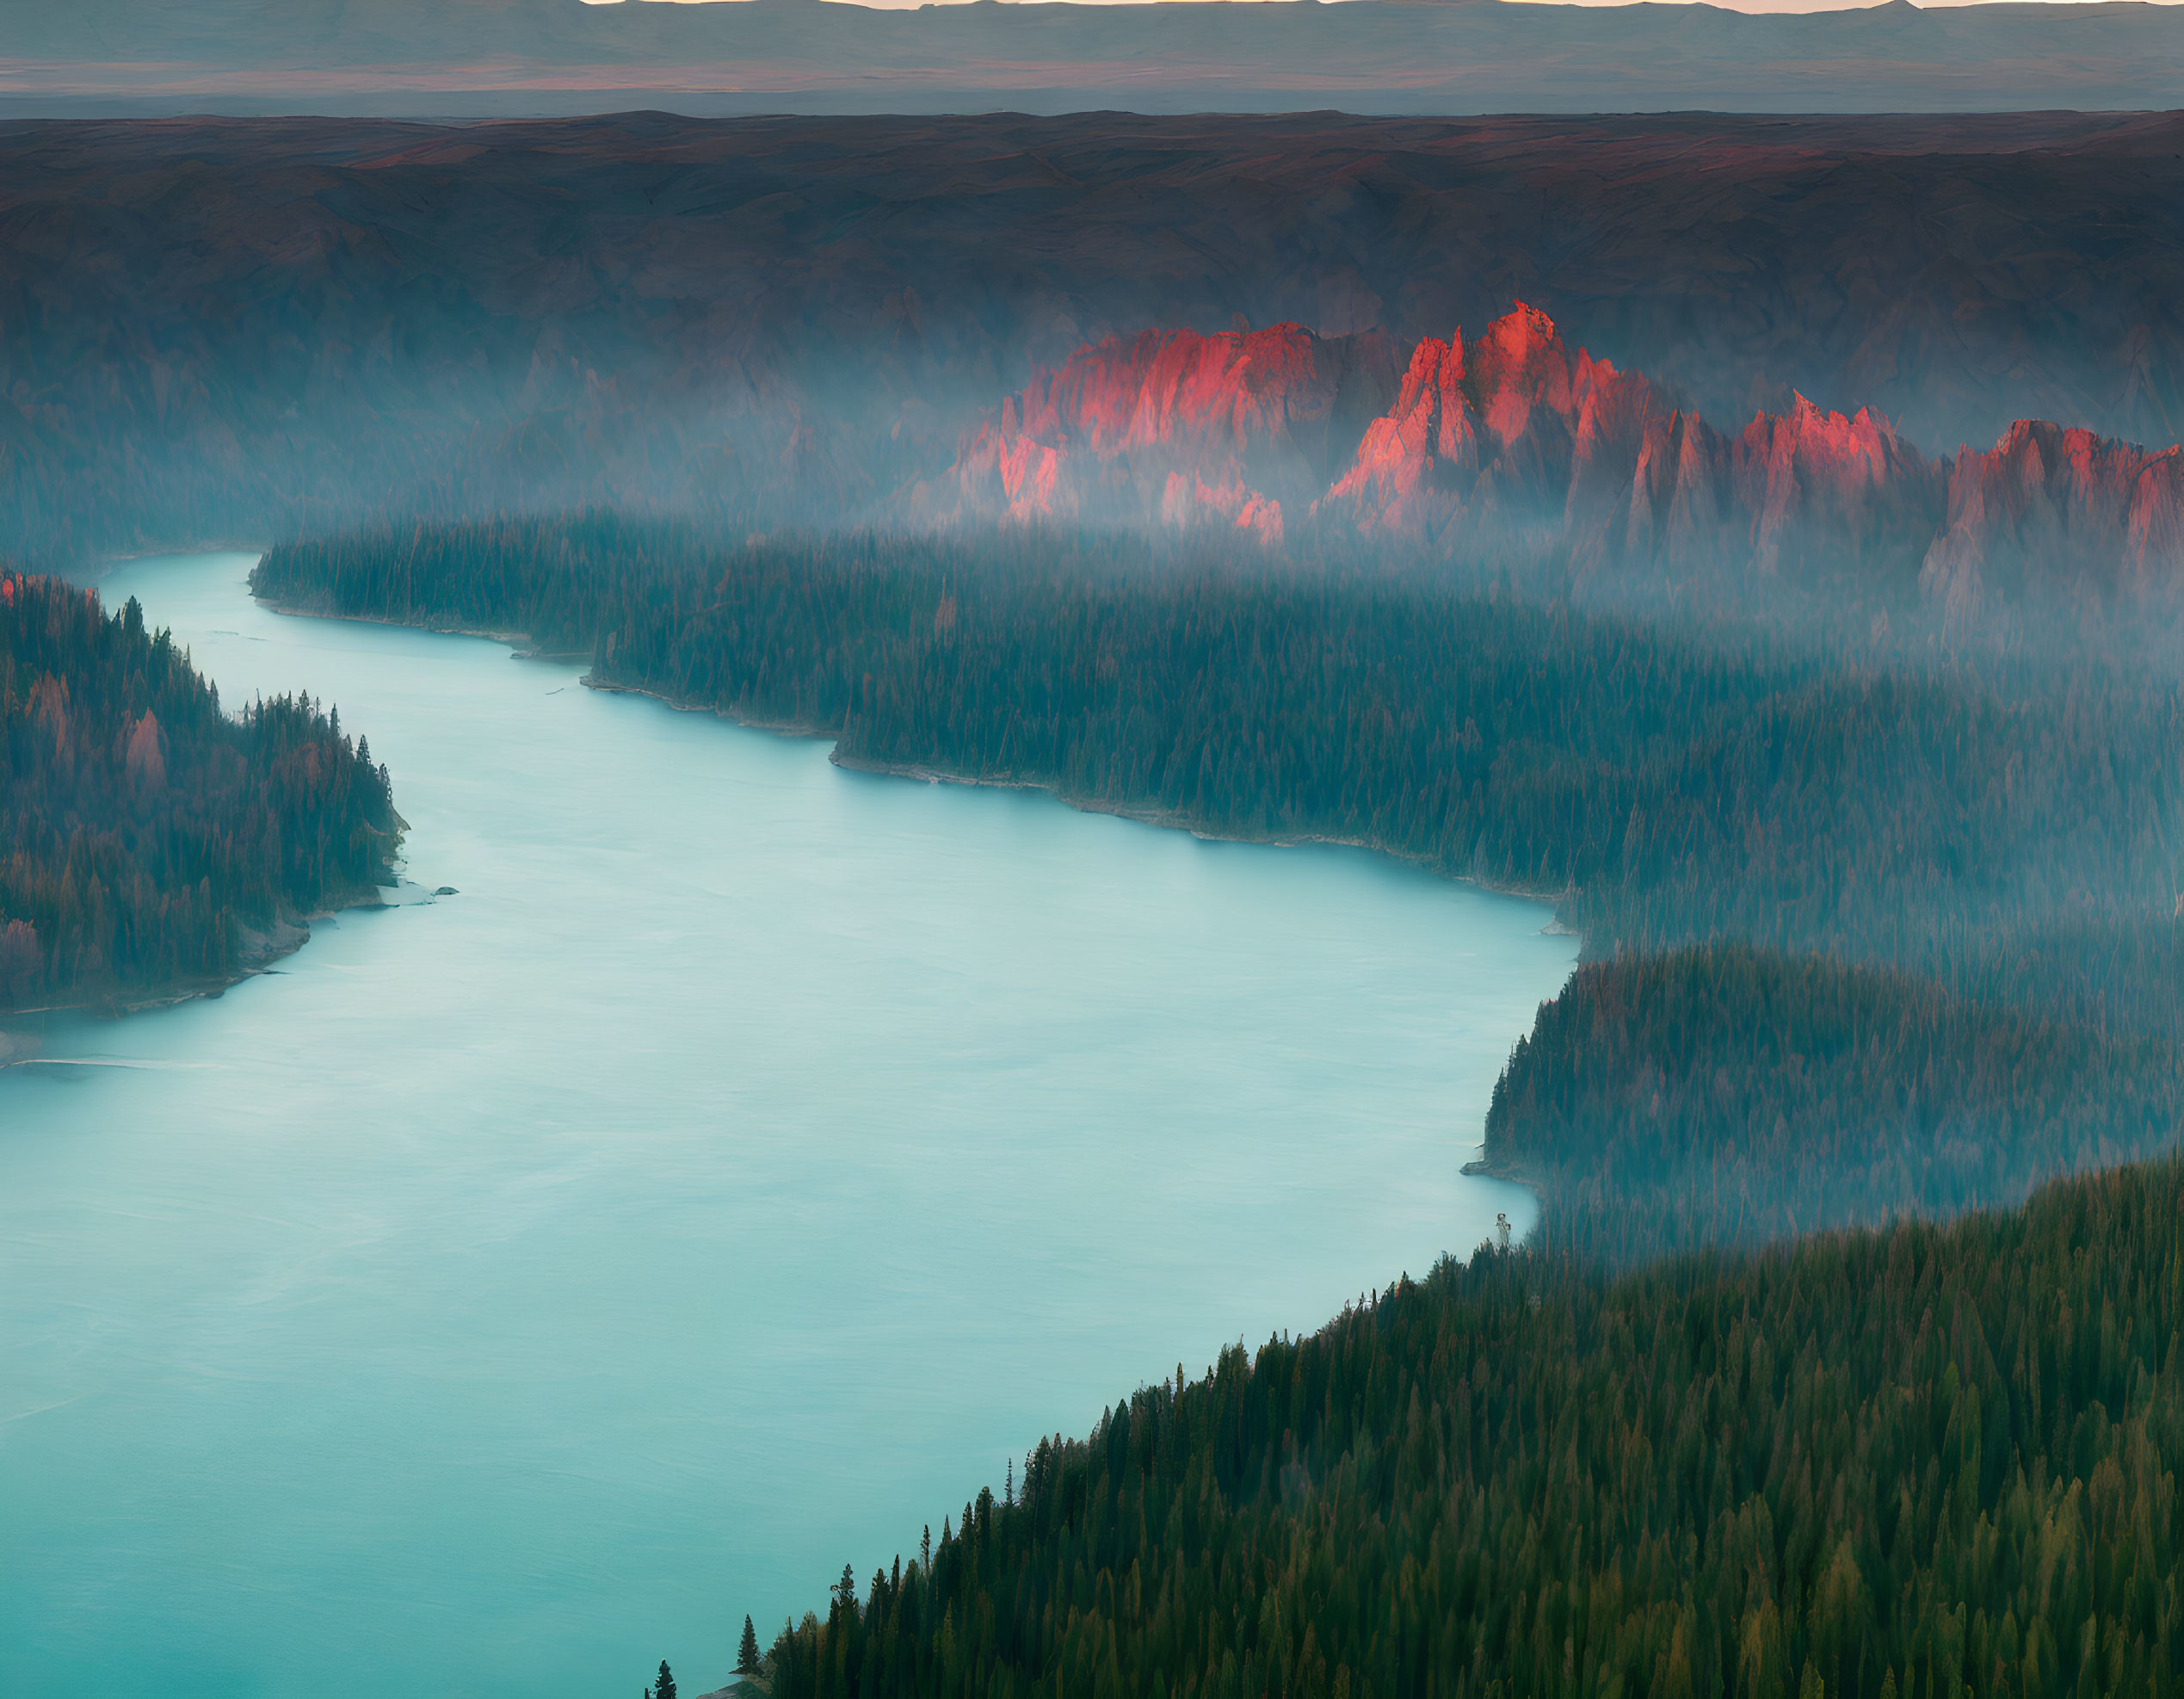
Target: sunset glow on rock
point(2050, 508)
point(1179, 427)
point(1482, 445)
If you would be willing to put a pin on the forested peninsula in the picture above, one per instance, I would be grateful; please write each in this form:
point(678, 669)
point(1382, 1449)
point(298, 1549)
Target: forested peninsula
point(154, 845)
point(1874, 926)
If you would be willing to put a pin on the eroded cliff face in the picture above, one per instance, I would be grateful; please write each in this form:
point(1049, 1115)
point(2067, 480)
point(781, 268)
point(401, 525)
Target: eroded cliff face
point(1515, 441)
point(1482, 436)
point(2050, 512)
point(1237, 428)
point(1517, 436)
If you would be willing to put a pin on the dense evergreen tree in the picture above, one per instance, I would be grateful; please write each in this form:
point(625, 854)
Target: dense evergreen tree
point(747, 1654)
point(1668, 782)
point(146, 837)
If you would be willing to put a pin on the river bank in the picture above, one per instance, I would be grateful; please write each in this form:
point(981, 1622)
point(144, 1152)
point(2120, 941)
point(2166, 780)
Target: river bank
point(517, 640)
point(263, 948)
point(158, 857)
point(1179, 820)
point(1168, 819)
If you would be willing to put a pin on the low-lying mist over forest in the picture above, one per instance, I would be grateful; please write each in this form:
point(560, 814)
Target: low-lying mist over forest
point(246, 330)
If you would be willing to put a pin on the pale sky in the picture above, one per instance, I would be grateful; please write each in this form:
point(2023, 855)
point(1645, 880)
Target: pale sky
point(1727, 6)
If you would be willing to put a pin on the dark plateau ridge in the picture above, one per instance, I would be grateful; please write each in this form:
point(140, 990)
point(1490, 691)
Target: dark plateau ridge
point(214, 331)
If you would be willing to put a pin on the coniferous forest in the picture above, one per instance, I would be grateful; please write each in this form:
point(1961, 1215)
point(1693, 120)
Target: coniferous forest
point(1928, 1460)
point(153, 844)
point(1881, 930)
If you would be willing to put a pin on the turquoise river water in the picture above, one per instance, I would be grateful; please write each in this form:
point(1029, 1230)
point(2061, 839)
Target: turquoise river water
point(513, 1292)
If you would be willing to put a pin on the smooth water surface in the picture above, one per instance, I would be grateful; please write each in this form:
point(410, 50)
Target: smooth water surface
point(510, 1292)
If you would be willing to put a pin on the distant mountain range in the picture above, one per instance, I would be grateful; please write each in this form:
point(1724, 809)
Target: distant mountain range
point(478, 58)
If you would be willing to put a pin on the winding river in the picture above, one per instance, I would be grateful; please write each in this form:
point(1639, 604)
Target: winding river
point(513, 1291)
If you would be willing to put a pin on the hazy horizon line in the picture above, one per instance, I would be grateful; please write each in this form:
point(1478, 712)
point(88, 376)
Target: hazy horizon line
point(1750, 8)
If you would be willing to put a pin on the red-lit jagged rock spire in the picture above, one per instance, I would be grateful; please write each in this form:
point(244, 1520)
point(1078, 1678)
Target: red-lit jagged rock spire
point(1178, 428)
point(1513, 440)
point(1517, 435)
point(2054, 510)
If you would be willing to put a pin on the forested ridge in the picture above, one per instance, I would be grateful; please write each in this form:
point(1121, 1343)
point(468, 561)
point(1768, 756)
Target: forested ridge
point(1732, 1095)
point(148, 841)
point(1931, 1460)
point(1884, 921)
point(1665, 783)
